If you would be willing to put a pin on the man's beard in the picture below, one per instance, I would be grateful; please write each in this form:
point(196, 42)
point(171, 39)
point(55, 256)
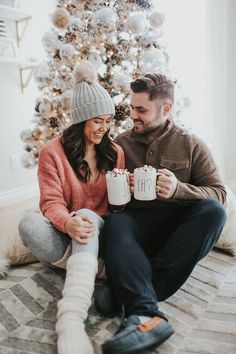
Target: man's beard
point(146, 130)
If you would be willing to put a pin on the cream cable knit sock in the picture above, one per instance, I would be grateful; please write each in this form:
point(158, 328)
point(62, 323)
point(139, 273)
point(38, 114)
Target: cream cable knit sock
point(74, 305)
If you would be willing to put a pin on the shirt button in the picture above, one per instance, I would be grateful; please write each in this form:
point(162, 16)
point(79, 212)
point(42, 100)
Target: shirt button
point(150, 153)
point(173, 165)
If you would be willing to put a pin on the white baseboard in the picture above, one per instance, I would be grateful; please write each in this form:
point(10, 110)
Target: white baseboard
point(232, 185)
point(19, 194)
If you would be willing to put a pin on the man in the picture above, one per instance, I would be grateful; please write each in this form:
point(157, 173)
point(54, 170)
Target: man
point(153, 246)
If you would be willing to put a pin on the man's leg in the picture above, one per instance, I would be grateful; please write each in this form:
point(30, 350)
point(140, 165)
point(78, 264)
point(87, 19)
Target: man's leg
point(128, 267)
point(196, 235)
point(130, 273)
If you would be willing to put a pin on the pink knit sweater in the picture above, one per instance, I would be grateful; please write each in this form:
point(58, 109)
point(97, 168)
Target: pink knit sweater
point(61, 192)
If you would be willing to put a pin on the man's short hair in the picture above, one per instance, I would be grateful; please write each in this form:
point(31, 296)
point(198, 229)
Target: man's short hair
point(156, 85)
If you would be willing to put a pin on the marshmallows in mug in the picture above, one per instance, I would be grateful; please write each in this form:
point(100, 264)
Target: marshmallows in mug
point(118, 189)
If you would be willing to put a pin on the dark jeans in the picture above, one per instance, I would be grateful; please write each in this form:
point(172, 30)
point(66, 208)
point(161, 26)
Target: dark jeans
point(150, 253)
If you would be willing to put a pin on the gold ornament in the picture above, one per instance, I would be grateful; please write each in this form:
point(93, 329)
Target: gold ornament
point(61, 18)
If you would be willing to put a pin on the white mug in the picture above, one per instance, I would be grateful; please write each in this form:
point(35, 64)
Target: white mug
point(118, 189)
point(145, 184)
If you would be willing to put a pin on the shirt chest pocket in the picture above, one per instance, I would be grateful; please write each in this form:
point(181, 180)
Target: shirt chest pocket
point(180, 168)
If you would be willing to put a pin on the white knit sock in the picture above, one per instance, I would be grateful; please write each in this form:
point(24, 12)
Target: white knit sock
point(74, 305)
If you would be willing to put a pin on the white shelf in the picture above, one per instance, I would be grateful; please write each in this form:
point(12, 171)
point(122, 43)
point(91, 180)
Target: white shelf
point(26, 69)
point(10, 13)
point(21, 20)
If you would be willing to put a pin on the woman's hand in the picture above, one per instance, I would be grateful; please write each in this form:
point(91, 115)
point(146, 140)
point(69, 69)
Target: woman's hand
point(79, 228)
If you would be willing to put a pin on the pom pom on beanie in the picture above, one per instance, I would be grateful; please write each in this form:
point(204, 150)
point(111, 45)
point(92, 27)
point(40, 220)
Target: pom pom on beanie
point(85, 72)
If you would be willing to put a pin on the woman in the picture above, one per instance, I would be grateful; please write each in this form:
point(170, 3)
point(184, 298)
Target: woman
point(73, 200)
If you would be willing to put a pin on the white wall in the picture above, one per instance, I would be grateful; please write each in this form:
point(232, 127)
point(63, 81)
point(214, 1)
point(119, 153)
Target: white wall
point(17, 108)
point(202, 51)
point(230, 94)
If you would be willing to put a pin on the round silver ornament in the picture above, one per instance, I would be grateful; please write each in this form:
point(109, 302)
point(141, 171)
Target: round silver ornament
point(28, 160)
point(121, 82)
point(75, 24)
point(26, 135)
point(45, 108)
point(67, 51)
point(152, 60)
point(105, 18)
point(95, 59)
point(50, 41)
point(58, 84)
point(156, 19)
point(136, 24)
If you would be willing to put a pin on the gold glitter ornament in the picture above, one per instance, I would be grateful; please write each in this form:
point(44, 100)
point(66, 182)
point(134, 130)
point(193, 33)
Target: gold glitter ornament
point(61, 18)
point(37, 134)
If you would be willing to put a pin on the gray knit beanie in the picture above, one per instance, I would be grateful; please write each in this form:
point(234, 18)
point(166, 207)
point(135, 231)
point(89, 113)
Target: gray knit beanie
point(90, 99)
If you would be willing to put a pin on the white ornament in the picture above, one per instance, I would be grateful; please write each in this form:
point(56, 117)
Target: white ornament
point(65, 71)
point(150, 36)
point(95, 59)
point(156, 19)
point(26, 135)
point(75, 24)
point(67, 51)
point(50, 41)
point(122, 81)
point(28, 160)
point(41, 72)
point(136, 24)
point(45, 108)
point(105, 18)
point(153, 60)
point(58, 84)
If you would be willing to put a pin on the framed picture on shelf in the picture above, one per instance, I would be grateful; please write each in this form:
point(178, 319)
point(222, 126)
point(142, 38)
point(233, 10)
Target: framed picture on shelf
point(8, 48)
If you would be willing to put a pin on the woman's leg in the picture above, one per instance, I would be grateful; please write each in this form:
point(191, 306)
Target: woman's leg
point(45, 242)
point(77, 293)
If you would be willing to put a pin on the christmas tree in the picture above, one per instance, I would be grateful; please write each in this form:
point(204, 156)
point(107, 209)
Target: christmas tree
point(121, 38)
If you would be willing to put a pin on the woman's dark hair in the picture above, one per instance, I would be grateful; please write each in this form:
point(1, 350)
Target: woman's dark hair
point(73, 143)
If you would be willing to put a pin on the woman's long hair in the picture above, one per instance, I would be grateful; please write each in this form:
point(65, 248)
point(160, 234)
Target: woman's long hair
point(74, 146)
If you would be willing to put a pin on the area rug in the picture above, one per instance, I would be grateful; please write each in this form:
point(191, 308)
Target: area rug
point(203, 311)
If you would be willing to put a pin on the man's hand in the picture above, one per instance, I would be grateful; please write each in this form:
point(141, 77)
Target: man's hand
point(166, 184)
point(79, 228)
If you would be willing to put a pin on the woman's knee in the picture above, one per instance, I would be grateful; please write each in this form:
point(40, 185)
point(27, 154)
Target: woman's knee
point(98, 221)
point(27, 227)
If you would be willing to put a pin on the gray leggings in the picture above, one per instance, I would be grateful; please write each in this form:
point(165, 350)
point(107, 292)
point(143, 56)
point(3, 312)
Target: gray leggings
point(49, 244)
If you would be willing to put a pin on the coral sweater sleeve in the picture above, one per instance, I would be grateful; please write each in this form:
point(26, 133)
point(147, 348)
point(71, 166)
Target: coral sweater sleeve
point(52, 203)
